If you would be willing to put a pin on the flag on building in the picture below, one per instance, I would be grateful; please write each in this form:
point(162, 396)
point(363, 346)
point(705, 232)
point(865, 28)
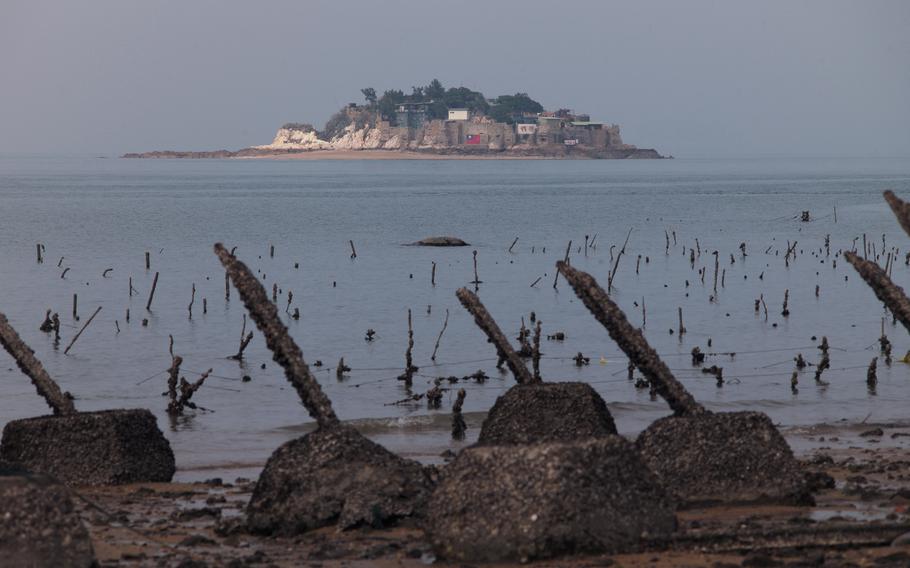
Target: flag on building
point(472, 139)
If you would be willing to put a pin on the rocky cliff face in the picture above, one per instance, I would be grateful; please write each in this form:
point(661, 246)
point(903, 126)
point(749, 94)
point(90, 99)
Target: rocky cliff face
point(296, 138)
point(356, 128)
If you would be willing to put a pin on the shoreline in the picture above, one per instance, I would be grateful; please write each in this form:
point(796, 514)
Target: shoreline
point(855, 521)
point(428, 154)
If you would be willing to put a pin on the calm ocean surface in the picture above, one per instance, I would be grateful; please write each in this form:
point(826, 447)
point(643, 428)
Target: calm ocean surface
point(97, 214)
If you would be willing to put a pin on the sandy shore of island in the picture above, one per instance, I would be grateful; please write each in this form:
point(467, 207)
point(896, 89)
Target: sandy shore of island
point(386, 155)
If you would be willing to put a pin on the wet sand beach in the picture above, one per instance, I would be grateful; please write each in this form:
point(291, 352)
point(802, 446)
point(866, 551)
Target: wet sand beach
point(852, 523)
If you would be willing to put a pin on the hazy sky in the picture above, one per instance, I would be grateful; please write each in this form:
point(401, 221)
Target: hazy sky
point(689, 78)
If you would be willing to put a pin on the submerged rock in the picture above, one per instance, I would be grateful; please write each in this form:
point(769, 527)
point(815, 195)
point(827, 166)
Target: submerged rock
point(91, 448)
point(441, 242)
point(731, 457)
point(497, 503)
point(39, 525)
point(335, 476)
point(547, 412)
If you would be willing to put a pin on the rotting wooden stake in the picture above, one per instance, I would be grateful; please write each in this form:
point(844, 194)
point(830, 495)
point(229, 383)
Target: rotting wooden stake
point(32, 367)
point(39, 246)
point(227, 288)
point(566, 259)
point(75, 306)
point(433, 275)
point(445, 324)
point(682, 328)
point(513, 244)
point(286, 353)
point(409, 368)
point(353, 250)
point(458, 423)
point(612, 273)
point(535, 352)
point(632, 342)
point(148, 261)
point(85, 325)
point(192, 299)
point(485, 322)
point(244, 341)
point(148, 305)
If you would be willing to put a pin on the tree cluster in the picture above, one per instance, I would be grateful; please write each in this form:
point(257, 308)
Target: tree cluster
point(441, 99)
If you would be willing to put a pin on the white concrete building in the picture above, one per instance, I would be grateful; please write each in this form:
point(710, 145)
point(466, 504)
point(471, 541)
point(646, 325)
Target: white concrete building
point(458, 114)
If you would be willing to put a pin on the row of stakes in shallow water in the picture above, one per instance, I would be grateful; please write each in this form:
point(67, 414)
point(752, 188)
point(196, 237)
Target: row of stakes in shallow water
point(500, 499)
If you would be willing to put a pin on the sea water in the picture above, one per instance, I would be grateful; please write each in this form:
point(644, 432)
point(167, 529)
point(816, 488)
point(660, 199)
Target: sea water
point(95, 214)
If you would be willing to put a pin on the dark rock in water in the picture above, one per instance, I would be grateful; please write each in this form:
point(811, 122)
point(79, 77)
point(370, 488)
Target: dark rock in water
point(91, 448)
point(441, 242)
point(546, 412)
point(731, 457)
point(335, 475)
point(40, 526)
point(497, 503)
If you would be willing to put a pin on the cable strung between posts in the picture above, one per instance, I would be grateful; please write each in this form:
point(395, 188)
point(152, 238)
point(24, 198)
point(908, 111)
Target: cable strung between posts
point(285, 352)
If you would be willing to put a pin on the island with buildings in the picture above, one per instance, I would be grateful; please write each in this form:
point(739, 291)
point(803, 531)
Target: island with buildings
point(434, 121)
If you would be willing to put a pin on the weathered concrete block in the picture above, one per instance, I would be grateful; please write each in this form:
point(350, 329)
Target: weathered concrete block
point(728, 457)
point(497, 503)
point(335, 476)
point(91, 448)
point(39, 525)
point(547, 412)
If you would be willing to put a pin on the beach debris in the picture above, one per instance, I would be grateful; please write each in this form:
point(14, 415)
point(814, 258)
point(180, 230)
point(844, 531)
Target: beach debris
point(333, 475)
point(41, 526)
point(528, 502)
point(697, 356)
point(700, 456)
point(534, 411)
point(581, 360)
point(443, 242)
point(800, 362)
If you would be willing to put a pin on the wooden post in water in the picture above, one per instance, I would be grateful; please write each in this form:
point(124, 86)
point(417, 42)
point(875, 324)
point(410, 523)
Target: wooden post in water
point(148, 305)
